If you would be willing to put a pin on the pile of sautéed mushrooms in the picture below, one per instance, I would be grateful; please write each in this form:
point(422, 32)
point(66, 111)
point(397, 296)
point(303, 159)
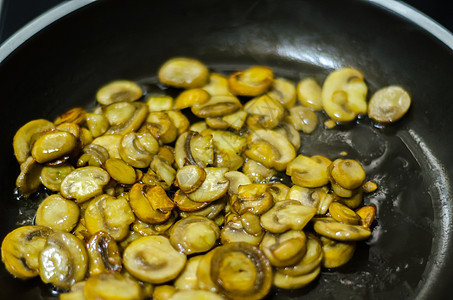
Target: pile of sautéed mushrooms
point(144, 203)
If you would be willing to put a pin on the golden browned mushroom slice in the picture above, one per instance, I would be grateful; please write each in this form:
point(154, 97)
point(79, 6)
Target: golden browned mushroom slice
point(194, 234)
point(27, 135)
point(302, 118)
point(52, 176)
point(344, 95)
point(161, 127)
point(153, 259)
point(146, 229)
point(120, 171)
point(57, 213)
point(182, 72)
point(138, 149)
point(185, 204)
point(97, 124)
point(290, 132)
point(311, 260)
point(188, 280)
point(347, 173)
point(236, 179)
point(369, 186)
point(29, 180)
point(63, 261)
point(53, 145)
point(240, 271)
point(257, 172)
point(193, 148)
point(21, 248)
point(119, 113)
point(109, 214)
point(93, 155)
point(335, 253)
point(389, 104)
point(216, 106)
point(195, 294)
point(118, 91)
point(228, 148)
point(367, 214)
point(104, 254)
point(150, 203)
point(217, 85)
point(318, 198)
point(353, 201)
point(251, 82)
point(309, 171)
point(189, 178)
point(112, 285)
point(179, 120)
point(253, 198)
point(163, 169)
point(245, 228)
point(263, 112)
point(340, 231)
point(75, 293)
point(75, 115)
point(84, 183)
point(217, 123)
point(284, 91)
point(163, 292)
point(270, 148)
point(211, 211)
point(279, 191)
point(134, 122)
point(286, 215)
point(343, 214)
point(71, 128)
point(284, 249)
point(111, 143)
point(285, 281)
point(235, 120)
point(159, 102)
point(213, 187)
point(309, 93)
point(191, 97)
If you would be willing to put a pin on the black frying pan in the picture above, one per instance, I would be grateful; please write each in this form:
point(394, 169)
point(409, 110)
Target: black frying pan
point(410, 254)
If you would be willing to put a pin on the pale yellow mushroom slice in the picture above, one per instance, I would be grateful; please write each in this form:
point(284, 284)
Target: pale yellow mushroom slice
point(253, 198)
point(251, 82)
point(195, 294)
point(319, 198)
point(53, 145)
point(190, 178)
point(284, 91)
point(286, 215)
point(188, 279)
point(309, 171)
point(245, 228)
point(288, 282)
point(263, 112)
point(343, 214)
point(84, 183)
point(137, 118)
point(344, 95)
point(52, 176)
point(335, 253)
point(29, 180)
point(194, 234)
point(119, 113)
point(217, 85)
point(369, 186)
point(179, 120)
point(93, 155)
point(347, 173)
point(63, 261)
point(302, 118)
point(75, 293)
point(216, 106)
point(120, 171)
point(57, 213)
point(270, 148)
point(193, 148)
point(228, 148)
point(118, 91)
point(76, 115)
point(182, 72)
point(236, 179)
point(138, 148)
point(213, 187)
point(161, 127)
point(257, 172)
point(210, 211)
point(27, 135)
point(112, 286)
point(191, 97)
point(340, 231)
point(104, 254)
point(163, 292)
point(235, 120)
point(150, 203)
point(111, 143)
point(284, 249)
point(185, 204)
point(163, 169)
point(159, 102)
point(309, 93)
point(109, 214)
point(279, 191)
point(20, 250)
point(98, 124)
point(389, 104)
point(290, 132)
point(153, 259)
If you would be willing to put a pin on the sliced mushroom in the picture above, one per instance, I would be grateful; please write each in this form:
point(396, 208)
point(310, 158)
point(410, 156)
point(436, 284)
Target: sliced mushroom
point(343, 214)
point(309, 171)
point(21, 248)
point(133, 123)
point(190, 178)
point(146, 229)
point(151, 178)
point(369, 186)
point(163, 292)
point(217, 85)
point(183, 72)
point(347, 173)
point(344, 95)
point(335, 253)
point(210, 211)
point(389, 104)
point(284, 249)
point(309, 93)
point(352, 202)
point(159, 102)
point(163, 169)
point(119, 113)
point(189, 98)
point(251, 82)
point(75, 293)
point(98, 124)
point(27, 135)
point(253, 198)
point(120, 171)
point(84, 183)
point(240, 271)
point(76, 115)
point(263, 112)
point(257, 172)
point(285, 215)
point(53, 145)
point(288, 282)
point(104, 254)
point(270, 148)
point(52, 176)
point(111, 143)
point(195, 149)
point(118, 91)
point(63, 261)
point(195, 294)
point(150, 203)
point(340, 231)
point(109, 214)
point(112, 285)
point(236, 179)
point(138, 149)
point(279, 191)
point(153, 259)
point(213, 187)
point(93, 155)
point(290, 132)
point(194, 234)
point(179, 120)
point(161, 127)
point(235, 120)
point(367, 215)
point(228, 148)
point(283, 91)
point(29, 180)
point(318, 198)
point(185, 204)
point(245, 228)
point(302, 118)
point(216, 106)
point(217, 123)
point(57, 213)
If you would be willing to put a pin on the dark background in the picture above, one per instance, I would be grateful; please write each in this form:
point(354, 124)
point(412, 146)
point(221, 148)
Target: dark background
point(16, 13)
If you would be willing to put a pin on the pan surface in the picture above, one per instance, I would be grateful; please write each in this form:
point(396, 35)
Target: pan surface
point(88, 43)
